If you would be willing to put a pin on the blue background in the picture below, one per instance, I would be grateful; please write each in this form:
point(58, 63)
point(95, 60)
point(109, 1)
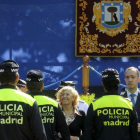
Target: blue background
point(40, 34)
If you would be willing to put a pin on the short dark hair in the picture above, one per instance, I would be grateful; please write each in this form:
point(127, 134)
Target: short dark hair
point(8, 77)
point(34, 86)
point(111, 84)
point(110, 79)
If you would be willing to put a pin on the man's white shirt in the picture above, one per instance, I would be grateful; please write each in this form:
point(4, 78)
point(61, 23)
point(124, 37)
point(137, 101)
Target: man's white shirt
point(82, 105)
point(135, 97)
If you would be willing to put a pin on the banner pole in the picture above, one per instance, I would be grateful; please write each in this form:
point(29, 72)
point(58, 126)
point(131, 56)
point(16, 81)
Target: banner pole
point(85, 83)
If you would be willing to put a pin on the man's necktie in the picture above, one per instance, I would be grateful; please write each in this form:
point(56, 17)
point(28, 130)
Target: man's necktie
point(132, 99)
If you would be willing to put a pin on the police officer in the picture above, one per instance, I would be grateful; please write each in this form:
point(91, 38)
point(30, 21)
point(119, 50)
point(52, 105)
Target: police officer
point(22, 85)
point(19, 114)
point(52, 116)
point(111, 117)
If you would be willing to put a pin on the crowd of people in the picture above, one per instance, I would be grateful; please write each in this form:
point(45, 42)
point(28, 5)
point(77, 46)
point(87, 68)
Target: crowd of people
point(33, 116)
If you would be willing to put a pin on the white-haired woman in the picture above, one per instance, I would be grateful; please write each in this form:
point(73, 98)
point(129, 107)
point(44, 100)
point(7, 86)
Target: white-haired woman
point(68, 98)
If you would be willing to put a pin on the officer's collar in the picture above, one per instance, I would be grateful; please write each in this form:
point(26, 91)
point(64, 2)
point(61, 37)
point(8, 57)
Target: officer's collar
point(8, 86)
point(36, 93)
point(115, 92)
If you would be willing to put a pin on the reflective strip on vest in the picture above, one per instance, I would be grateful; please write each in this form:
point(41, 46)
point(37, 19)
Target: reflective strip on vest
point(112, 101)
point(42, 100)
point(8, 94)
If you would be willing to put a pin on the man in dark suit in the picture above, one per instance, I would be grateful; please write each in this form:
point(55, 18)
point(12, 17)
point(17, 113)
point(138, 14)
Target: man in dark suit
point(132, 92)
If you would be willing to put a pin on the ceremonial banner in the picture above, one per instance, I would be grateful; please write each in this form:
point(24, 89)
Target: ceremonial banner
point(107, 28)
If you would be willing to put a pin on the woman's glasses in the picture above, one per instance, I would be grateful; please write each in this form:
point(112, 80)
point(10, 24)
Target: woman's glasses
point(65, 94)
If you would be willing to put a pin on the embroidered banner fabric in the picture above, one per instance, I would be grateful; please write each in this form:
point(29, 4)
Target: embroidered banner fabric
point(107, 28)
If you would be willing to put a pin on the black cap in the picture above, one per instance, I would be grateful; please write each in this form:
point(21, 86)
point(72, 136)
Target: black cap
point(110, 73)
point(34, 76)
point(9, 66)
point(21, 83)
point(66, 83)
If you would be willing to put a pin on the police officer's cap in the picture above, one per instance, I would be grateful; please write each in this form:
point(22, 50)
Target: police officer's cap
point(34, 76)
point(9, 66)
point(66, 83)
point(21, 83)
point(110, 73)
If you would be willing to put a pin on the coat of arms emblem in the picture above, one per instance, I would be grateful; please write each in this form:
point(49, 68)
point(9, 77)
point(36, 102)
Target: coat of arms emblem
point(108, 28)
point(112, 16)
